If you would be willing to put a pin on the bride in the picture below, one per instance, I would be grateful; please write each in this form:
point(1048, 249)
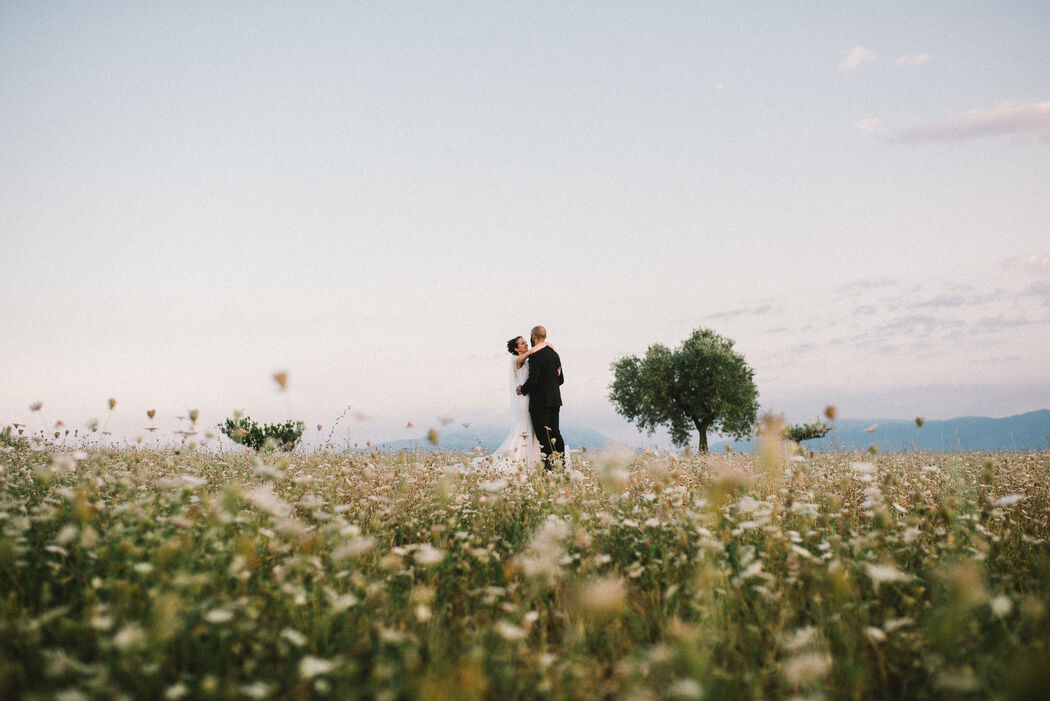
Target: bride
point(520, 446)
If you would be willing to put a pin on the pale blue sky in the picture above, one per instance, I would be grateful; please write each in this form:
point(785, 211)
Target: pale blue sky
point(374, 197)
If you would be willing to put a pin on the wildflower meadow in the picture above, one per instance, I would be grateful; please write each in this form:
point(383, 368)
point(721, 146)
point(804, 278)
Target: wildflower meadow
point(186, 573)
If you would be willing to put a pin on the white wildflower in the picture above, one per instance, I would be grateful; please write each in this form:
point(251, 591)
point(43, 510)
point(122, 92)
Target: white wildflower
point(130, 636)
point(886, 573)
point(752, 570)
point(799, 550)
point(895, 623)
point(508, 631)
point(427, 555)
point(801, 638)
point(493, 485)
point(264, 498)
point(176, 691)
point(807, 667)
point(1001, 606)
point(257, 690)
point(875, 635)
point(68, 533)
point(352, 548)
point(294, 637)
point(310, 667)
point(343, 602)
point(545, 551)
point(685, 689)
point(219, 615)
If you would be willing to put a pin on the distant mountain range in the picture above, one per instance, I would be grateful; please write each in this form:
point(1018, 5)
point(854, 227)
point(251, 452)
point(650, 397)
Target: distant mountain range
point(1030, 431)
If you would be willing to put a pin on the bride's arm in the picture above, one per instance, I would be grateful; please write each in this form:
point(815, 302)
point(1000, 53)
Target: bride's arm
point(522, 358)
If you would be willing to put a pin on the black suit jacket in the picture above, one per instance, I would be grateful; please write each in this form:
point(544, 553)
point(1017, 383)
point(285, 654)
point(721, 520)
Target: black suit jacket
point(542, 386)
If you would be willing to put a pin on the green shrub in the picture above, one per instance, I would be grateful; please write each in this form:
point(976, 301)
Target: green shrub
point(245, 431)
point(805, 432)
point(9, 439)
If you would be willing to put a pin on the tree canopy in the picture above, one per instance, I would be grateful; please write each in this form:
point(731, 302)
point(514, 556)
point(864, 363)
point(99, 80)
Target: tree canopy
point(703, 385)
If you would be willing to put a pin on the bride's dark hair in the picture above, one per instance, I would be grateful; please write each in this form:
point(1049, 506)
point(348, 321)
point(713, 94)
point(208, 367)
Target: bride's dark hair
point(512, 345)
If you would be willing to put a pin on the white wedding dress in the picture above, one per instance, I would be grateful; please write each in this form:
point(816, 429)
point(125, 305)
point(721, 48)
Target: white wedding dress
point(520, 448)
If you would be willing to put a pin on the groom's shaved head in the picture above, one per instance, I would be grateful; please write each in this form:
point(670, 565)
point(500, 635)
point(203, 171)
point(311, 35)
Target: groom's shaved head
point(539, 333)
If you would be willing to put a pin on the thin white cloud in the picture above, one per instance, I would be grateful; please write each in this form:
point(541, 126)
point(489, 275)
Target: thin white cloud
point(912, 60)
point(755, 311)
point(868, 126)
point(1007, 118)
point(864, 286)
point(856, 56)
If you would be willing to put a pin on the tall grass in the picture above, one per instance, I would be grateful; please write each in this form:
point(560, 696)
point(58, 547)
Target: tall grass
point(187, 574)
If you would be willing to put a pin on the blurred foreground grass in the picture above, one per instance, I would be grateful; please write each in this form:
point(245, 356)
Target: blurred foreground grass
point(199, 575)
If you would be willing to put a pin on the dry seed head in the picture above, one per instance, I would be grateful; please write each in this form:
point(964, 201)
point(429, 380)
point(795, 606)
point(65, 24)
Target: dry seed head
point(112, 403)
point(603, 594)
point(831, 412)
point(281, 378)
point(151, 413)
point(770, 434)
point(36, 406)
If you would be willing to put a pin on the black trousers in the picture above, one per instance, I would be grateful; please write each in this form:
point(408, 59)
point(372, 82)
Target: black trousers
point(545, 424)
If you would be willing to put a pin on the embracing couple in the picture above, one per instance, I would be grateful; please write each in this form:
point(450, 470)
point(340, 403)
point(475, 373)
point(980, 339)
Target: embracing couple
point(535, 380)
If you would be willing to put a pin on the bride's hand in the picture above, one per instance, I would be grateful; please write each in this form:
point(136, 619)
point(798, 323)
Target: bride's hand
point(537, 347)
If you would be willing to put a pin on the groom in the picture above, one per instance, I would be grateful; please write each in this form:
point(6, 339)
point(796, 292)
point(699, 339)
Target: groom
point(541, 387)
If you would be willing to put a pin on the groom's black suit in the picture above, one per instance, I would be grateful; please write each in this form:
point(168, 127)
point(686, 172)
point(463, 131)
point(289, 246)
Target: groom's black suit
point(542, 389)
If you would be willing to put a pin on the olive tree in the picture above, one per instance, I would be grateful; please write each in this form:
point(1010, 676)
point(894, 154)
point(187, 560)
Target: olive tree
point(703, 385)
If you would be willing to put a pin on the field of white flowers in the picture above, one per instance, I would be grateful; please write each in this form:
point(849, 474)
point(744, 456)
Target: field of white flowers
point(182, 573)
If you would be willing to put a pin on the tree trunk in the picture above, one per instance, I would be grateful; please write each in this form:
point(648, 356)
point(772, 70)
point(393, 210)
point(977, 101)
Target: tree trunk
point(701, 428)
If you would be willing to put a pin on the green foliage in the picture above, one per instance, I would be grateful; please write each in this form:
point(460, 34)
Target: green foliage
point(263, 436)
point(806, 432)
point(704, 385)
point(7, 437)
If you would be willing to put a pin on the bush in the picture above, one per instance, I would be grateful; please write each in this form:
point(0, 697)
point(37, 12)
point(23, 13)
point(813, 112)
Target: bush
point(805, 432)
point(9, 440)
point(263, 436)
